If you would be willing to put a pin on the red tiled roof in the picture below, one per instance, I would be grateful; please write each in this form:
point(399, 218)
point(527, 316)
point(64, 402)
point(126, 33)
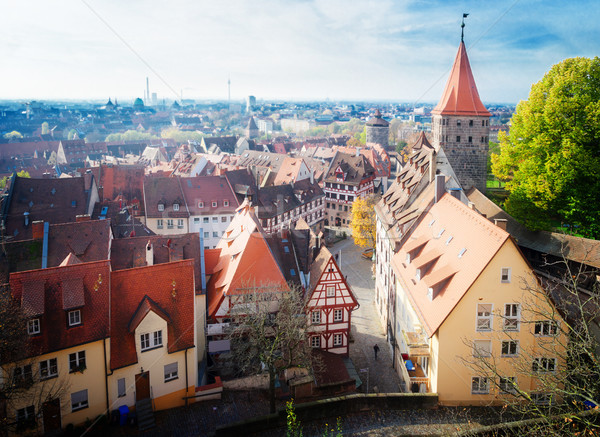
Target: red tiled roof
point(207, 189)
point(460, 96)
point(131, 287)
point(165, 191)
point(56, 284)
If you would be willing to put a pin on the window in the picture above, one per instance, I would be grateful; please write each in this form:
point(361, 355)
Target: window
point(151, 340)
point(169, 223)
point(541, 398)
point(482, 348)
point(331, 291)
point(159, 223)
point(22, 375)
point(480, 385)
point(179, 223)
point(79, 400)
point(74, 317)
point(121, 388)
point(161, 207)
point(176, 207)
point(48, 368)
point(215, 219)
point(345, 208)
point(470, 139)
point(33, 326)
point(315, 341)
point(546, 328)
point(510, 348)
point(223, 219)
point(507, 384)
point(484, 317)
point(458, 122)
point(214, 204)
point(25, 416)
point(200, 204)
point(226, 203)
point(337, 340)
point(206, 234)
point(204, 219)
point(511, 317)
point(505, 275)
point(216, 234)
point(470, 123)
point(77, 362)
point(171, 372)
point(338, 315)
point(544, 365)
point(458, 138)
point(316, 317)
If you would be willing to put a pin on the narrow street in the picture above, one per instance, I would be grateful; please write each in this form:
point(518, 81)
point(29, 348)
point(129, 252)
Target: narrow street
point(366, 326)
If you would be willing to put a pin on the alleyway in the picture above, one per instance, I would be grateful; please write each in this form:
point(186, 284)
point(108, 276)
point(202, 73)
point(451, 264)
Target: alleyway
point(366, 326)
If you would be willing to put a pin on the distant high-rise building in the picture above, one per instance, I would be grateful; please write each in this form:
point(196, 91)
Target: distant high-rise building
point(250, 103)
point(154, 99)
point(378, 130)
point(461, 125)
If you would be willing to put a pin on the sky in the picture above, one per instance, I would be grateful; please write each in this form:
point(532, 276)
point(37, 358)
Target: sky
point(350, 50)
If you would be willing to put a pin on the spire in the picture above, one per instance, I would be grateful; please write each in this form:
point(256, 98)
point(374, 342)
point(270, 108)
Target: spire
point(460, 95)
point(462, 28)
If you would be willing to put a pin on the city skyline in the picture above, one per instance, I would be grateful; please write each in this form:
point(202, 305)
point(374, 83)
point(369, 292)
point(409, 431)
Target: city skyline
point(297, 50)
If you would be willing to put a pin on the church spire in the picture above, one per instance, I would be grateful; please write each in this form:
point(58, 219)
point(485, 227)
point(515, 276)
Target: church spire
point(462, 27)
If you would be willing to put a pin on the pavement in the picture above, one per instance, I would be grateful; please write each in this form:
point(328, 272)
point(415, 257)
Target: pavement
point(378, 376)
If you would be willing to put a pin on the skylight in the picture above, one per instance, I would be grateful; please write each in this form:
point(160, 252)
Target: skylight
point(462, 252)
point(449, 240)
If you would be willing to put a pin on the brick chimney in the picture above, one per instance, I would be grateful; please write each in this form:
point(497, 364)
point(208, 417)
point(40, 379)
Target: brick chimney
point(37, 230)
point(501, 223)
point(82, 218)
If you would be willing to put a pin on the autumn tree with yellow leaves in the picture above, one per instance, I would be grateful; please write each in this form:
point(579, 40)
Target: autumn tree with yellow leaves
point(363, 224)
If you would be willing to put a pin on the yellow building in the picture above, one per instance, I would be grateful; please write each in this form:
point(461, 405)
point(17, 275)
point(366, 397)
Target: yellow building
point(471, 321)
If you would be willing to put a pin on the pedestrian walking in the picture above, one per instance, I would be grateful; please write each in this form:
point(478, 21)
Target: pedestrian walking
point(375, 349)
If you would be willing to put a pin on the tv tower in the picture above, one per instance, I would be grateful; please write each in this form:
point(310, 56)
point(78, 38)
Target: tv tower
point(229, 93)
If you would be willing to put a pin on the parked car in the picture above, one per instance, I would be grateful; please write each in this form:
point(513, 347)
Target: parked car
point(367, 254)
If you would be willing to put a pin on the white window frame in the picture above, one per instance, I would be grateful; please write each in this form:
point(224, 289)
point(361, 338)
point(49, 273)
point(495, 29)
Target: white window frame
point(25, 414)
point(484, 316)
point(315, 341)
point(214, 204)
point(33, 326)
point(541, 398)
point(50, 367)
point(226, 203)
point(338, 315)
point(505, 275)
point(74, 317)
point(544, 365)
point(205, 220)
point(545, 328)
point(512, 318)
point(80, 405)
point(169, 223)
point(151, 340)
point(159, 224)
point(338, 340)
point(315, 317)
point(179, 223)
point(200, 204)
point(77, 361)
point(161, 207)
point(331, 291)
point(507, 384)
point(507, 346)
point(480, 385)
point(22, 374)
point(121, 387)
point(482, 348)
point(176, 207)
point(171, 371)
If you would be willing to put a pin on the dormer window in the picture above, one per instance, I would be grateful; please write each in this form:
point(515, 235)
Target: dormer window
point(214, 204)
point(74, 317)
point(73, 203)
point(33, 326)
point(161, 207)
point(226, 203)
point(151, 340)
point(176, 207)
point(200, 204)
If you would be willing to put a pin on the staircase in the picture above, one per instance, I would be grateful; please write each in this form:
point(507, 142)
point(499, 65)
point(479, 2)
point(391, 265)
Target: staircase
point(145, 414)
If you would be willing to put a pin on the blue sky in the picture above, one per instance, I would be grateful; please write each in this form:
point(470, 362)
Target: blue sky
point(292, 49)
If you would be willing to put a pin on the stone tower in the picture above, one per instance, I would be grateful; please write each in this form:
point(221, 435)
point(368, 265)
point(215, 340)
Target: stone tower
point(378, 130)
point(251, 129)
point(461, 125)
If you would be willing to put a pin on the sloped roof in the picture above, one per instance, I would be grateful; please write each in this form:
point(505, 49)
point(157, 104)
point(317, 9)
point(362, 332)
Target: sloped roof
point(208, 189)
point(355, 168)
point(378, 120)
point(460, 96)
point(288, 171)
point(475, 241)
point(131, 287)
point(165, 191)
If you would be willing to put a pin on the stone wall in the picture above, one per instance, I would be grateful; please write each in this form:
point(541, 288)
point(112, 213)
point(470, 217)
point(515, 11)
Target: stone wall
point(378, 134)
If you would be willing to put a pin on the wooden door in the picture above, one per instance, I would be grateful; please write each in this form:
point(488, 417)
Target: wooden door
point(51, 416)
point(142, 386)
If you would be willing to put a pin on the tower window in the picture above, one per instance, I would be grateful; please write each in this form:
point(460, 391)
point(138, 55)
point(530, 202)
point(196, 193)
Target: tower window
point(458, 122)
point(458, 138)
point(483, 122)
point(470, 139)
point(470, 123)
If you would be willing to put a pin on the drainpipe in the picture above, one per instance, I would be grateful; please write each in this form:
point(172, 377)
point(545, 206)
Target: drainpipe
point(45, 245)
point(105, 377)
point(186, 379)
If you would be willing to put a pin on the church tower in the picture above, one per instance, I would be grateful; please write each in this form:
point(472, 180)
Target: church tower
point(461, 125)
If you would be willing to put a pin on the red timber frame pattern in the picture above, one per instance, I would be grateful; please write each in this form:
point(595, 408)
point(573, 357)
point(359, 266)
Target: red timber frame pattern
point(343, 300)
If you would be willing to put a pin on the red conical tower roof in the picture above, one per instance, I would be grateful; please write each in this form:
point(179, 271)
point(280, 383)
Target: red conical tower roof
point(460, 96)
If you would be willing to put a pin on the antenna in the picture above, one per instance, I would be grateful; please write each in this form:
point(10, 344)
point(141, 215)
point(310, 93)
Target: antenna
point(462, 27)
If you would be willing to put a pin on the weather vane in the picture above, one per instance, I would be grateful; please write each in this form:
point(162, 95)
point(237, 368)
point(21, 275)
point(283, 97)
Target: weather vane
point(462, 27)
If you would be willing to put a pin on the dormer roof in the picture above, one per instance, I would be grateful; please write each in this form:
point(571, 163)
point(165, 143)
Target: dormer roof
point(460, 96)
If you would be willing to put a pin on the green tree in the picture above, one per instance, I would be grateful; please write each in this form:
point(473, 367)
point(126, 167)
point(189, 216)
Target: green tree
point(131, 135)
point(12, 135)
point(181, 136)
point(550, 158)
point(21, 174)
point(363, 222)
point(72, 134)
point(400, 146)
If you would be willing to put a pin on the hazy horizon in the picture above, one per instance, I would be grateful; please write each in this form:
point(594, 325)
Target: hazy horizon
point(298, 50)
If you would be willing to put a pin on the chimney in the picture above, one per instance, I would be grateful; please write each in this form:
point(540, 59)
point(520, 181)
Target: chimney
point(432, 165)
point(440, 184)
point(26, 217)
point(472, 205)
point(37, 230)
point(501, 223)
point(455, 193)
point(82, 218)
point(312, 175)
point(358, 151)
point(149, 254)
